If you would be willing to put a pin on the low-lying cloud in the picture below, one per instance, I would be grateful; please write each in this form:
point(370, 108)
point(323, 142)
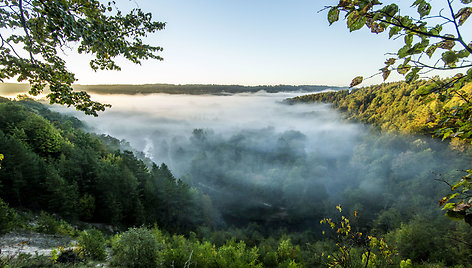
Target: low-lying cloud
point(264, 161)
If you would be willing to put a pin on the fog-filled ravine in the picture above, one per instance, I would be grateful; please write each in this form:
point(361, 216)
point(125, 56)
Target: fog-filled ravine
point(263, 161)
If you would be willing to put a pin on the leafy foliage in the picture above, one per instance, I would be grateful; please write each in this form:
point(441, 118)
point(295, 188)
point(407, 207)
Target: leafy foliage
point(39, 29)
point(426, 45)
point(136, 247)
point(56, 167)
point(93, 244)
point(7, 217)
point(403, 107)
point(347, 241)
point(114, 186)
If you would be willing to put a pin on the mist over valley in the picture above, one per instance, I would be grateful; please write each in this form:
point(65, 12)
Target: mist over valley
point(263, 161)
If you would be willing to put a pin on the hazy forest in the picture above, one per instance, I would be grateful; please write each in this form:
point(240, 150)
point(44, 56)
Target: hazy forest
point(165, 175)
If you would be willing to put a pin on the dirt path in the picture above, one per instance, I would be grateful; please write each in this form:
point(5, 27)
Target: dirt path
point(12, 244)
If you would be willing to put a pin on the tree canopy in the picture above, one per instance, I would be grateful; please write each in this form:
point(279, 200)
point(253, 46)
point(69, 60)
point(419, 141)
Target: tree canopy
point(33, 32)
point(431, 42)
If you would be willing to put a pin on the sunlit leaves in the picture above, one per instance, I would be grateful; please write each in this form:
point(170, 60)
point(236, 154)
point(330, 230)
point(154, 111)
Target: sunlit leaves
point(390, 11)
point(447, 43)
point(430, 51)
point(404, 51)
point(436, 30)
point(458, 203)
point(346, 237)
point(356, 81)
point(413, 75)
point(48, 26)
point(423, 9)
point(394, 31)
point(420, 40)
point(403, 68)
point(374, 26)
point(333, 15)
point(355, 21)
point(463, 14)
point(408, 39)
point(385, 73)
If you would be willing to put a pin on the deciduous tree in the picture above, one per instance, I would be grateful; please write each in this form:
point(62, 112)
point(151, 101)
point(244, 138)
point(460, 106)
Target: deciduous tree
point(32, 32)
point(431, 42)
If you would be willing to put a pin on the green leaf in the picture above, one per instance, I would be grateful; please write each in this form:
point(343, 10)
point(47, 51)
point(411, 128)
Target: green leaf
point(412, 75)
point(449, 206)
point(355, 21)
point(418, 2)
point(394, 31)
point(457, 185)
point(466, 1)
point(463, 53)
point(449, 58)
point(469, 73)
point(408, 39)
point(403, 69)
point(333, 15)
point(390, 11)
point(424, 9)
point(436, 30)
point(404, 51)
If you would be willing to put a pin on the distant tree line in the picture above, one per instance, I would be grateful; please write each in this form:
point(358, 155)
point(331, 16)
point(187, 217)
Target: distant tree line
point(176, 89)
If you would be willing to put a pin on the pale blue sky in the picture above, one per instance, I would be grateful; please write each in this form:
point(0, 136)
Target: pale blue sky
point(248, 42)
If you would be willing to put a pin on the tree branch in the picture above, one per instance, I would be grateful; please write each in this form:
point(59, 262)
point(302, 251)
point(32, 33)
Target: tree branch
point(459, 36)
point(25, 28)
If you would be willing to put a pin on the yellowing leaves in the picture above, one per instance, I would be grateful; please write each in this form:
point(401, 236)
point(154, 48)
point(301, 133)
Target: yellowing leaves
point(463, 14)
point(356, 81)
point(333, 15)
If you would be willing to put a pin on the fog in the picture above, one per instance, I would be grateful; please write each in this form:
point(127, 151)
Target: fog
point(264, 161)
point(156, 123)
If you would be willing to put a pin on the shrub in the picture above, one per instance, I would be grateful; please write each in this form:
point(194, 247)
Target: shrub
point(7, 217)
point(47, 224)
point(93, 243)
point(234, 255)
point(137, 247)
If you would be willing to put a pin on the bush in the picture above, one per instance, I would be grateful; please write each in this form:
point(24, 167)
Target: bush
point(93, 244)
point(135, 248)
point(234, 255)
point(414, 241)
point(7, 217)
point(47, 224)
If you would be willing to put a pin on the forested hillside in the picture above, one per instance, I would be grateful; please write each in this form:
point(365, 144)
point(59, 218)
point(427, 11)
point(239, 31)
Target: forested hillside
point(51, 164)
point(396, 106)
point(265, 196)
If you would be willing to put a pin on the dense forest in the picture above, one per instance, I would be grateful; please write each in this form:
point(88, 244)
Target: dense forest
point(197, 89)
point(255, 199)
point(396, 106)
point(52, 165)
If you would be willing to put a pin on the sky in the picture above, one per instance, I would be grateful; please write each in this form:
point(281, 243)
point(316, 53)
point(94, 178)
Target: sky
point(247, 42)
